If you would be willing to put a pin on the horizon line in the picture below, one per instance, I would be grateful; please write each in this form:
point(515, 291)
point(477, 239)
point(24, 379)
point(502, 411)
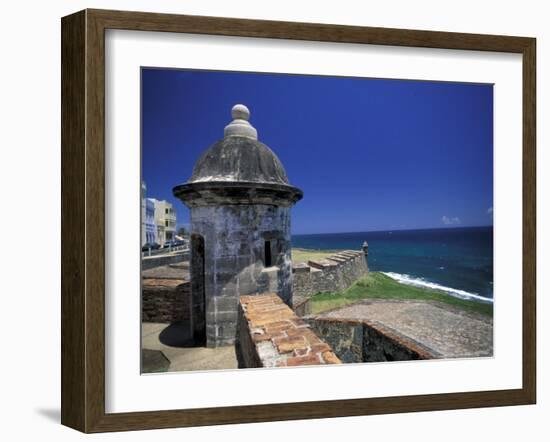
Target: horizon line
point(397, 230)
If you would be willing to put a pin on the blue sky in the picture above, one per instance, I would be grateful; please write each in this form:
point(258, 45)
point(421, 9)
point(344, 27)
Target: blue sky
point(369, 154)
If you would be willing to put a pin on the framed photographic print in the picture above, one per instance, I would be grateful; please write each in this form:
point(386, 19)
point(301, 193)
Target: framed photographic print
point(268, 220)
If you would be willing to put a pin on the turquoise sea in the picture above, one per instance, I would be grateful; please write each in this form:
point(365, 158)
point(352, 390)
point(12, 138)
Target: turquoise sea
point(458, 261)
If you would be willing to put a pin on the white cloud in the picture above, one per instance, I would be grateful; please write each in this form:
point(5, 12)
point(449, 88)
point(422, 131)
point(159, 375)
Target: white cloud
point(450, 220)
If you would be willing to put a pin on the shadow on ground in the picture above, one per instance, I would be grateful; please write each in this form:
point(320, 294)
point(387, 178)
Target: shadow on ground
point(51, 414)
point(177, 335)
point(175, 343)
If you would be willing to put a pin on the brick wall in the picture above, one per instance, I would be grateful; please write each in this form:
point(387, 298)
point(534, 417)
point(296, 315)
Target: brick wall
point(269, 334)
point(330, 275)
point(362, 341)
point(165, 300)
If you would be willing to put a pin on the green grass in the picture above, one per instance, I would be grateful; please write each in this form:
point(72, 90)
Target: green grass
point(376, 285)
point(304, 255)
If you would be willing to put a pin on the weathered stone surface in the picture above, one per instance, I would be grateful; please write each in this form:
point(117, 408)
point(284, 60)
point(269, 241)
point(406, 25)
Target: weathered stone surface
point(289, 343)
point(234, 236)
point(240, 200)
point(403, 330)
point(330, 358)
point(337, 259)
point(154, 361)
point(228, 316)
point(333, 274)
point(165, 300)
point(344, 338)
point(271, 335)
point(171, 271)
point(301, 267)
point(238, 169)
point(239, 159)
point(308, 359)
point(151, 262)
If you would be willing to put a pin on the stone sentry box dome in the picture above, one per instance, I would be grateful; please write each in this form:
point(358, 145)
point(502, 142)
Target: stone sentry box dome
point(240, 201)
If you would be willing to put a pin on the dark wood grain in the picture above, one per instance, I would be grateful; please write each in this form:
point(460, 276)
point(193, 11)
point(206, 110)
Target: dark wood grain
point(95, 221)
point(145, 21)
point(73, 212)
point(83, 220)
point(529, 221)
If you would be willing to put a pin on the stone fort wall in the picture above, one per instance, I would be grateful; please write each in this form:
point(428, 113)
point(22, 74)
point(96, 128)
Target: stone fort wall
point(150, 262)
point(271, 335)
point(333, 274)
point(367, 341)
point(165, 300)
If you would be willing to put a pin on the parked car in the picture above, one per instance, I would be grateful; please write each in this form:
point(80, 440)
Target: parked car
point(168, 244)
point(152, 246)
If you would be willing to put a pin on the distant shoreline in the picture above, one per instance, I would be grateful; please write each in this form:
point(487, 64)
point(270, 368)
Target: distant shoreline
point(377, 285)
point(457, 260)
point(303, 255)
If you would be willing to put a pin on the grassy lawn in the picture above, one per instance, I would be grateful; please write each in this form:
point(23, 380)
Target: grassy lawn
point(376, 285)
point(304, 255)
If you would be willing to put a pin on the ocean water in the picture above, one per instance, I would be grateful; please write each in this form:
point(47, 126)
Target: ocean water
point(458, 261)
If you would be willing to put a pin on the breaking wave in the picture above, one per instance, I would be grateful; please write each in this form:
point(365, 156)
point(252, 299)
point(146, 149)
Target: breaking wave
point(419, 282)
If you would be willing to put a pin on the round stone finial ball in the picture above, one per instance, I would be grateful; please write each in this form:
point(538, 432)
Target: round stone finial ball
point(241, 112)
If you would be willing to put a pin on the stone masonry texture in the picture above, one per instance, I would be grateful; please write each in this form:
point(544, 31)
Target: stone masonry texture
point(361, 341)
point(271, 335)
point(235, 238)
point(435, 329)
point(165, 300)
point(333, 274)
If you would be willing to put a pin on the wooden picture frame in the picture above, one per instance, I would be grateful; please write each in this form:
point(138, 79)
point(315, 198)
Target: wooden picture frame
point(83, 220)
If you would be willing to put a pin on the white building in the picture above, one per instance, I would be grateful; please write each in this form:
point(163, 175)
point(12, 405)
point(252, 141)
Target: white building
point(165, 221)
point(148, 227)
point(143, 214)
